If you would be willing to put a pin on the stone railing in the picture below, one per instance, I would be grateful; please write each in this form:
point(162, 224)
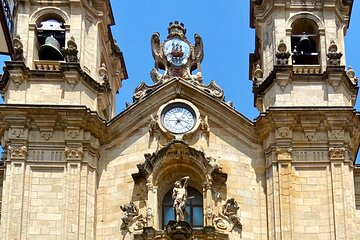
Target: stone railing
point(46, 65)
point(306, 69)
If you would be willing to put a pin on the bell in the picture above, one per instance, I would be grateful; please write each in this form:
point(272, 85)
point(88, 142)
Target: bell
point(305, 45)
point(50, 50)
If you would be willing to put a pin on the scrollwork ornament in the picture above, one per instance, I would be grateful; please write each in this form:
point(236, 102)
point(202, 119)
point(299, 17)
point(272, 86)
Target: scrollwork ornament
point(228, 219)
point(132, 221)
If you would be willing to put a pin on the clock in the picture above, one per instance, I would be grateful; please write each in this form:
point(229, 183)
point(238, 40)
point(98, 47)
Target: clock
point(177, 51)
point(178, 118)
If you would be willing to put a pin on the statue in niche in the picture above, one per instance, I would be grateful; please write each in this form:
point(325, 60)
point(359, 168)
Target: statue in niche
point(179, 196)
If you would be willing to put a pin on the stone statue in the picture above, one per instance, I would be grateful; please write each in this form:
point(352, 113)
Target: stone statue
point(130, 212)
point(179, 196)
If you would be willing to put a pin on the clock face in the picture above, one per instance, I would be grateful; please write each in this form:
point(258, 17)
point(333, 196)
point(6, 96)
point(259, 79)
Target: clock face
point(178, 118)
point(177, 51)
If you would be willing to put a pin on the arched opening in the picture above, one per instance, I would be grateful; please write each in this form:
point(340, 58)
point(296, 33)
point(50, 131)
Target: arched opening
point(305, 42)
point(194, 208)
point(50, 32)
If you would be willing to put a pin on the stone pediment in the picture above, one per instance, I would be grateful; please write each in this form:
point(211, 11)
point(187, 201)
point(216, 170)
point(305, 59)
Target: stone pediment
point(138, 115)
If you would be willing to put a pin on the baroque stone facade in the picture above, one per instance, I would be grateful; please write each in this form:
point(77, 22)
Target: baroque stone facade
point(73, 170)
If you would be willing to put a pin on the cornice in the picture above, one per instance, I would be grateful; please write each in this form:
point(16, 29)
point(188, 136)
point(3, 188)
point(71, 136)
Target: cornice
point(270, 79)
point(64, 67)
point(80, 116)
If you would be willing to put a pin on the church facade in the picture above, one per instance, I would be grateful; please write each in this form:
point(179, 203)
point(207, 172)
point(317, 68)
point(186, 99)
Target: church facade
point(179, 162)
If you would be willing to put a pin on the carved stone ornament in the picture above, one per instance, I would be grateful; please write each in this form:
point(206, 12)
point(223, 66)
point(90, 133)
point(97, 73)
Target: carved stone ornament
point(178, 230)
point(228, 219)
point(282, 55)
point(18, 54)
point(258, 74)
point(132, 221)
point(351, 74)
point(17, 132)
point(283, 79)
point(179, 149)
point(214, 90)
point(46, 134)
point(283, 132)
point(336, 134)
point(283, 154)
point(337, 153)
point(333, 56)
point(70, 53)
point(72, 78)
point(17, 76)
point(154, 125)
point(18, 152)
point(143, 90)
point(176, 56)
point(178, 59)
point(74, 153)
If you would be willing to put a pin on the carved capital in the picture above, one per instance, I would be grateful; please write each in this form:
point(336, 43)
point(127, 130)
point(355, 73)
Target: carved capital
point(337, 153)
point(18, 151)
point(74, 153)
point(284, 154)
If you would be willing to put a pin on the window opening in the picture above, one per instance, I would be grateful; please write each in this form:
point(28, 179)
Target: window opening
point(305, 42)
point(194, 208)
point(51, 38)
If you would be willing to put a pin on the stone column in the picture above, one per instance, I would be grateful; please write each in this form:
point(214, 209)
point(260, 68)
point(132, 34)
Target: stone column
point(74, 156)
point(208, 204)
point(284, 172)
point(152, 206)
point(12, 205)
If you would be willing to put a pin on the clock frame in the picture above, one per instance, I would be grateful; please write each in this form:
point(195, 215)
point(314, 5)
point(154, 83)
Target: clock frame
point(179, 117)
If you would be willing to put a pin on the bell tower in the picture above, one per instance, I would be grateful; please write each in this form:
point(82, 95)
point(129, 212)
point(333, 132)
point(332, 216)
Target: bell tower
point(65, 55)
point(299, 54)
point(308, 126)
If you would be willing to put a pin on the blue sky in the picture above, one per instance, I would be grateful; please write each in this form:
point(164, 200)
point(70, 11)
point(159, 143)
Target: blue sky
point(227, 38)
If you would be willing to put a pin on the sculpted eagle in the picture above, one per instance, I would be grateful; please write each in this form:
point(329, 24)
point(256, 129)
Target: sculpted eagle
point(157, 51)
point(198, 48)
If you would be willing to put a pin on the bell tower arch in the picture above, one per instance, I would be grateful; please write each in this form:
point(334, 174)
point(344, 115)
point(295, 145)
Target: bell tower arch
point(297, 40)
point(65, 54)
point(306, 97)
